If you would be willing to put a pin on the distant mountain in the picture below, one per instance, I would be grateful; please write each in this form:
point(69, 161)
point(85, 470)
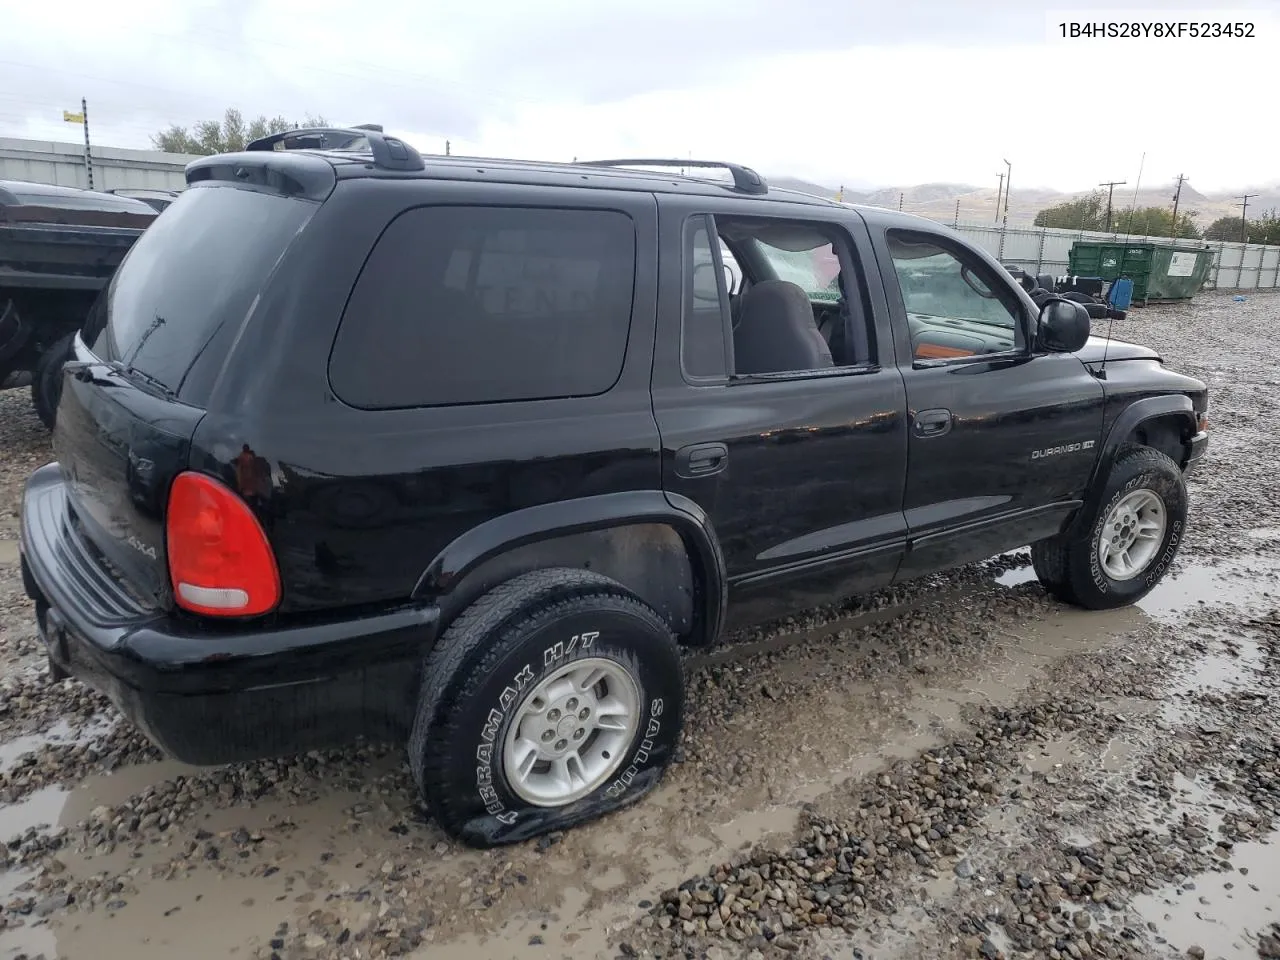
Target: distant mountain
point(922, 194)
point(1263, 198)
point(804, 186)
point(946, 201)
point(940, 201)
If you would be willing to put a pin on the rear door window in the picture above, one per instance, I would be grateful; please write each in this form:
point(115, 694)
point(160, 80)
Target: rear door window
point(200, 265)
point(462, 304)
point(706, 305)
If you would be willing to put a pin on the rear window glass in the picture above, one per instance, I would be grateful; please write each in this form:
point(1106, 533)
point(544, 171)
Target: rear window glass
point(486, 304)
point(196, 267)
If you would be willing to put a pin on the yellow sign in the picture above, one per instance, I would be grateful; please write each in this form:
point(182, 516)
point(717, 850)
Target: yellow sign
point(70, 117)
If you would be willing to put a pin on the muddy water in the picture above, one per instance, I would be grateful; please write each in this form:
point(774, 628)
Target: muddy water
point(320, 853)
point(572, 896)
point(1225, 910)
point(1222, 911)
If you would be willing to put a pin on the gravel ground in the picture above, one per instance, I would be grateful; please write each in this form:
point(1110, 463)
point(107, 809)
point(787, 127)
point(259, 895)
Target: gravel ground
point(958, 768)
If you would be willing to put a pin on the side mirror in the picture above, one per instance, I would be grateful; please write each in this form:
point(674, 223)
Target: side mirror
point(1064, 326)
point(730, 279)
point(704, 283)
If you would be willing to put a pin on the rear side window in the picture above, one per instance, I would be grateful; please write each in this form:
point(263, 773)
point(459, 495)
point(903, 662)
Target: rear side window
point(196, 267)
point(486, 304)
point(706, 315)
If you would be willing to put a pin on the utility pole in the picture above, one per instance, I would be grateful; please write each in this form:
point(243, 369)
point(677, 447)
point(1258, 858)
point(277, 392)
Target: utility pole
point(901, 196)
point(1008, 186)
point(1244, 224)
point(88, 154)
point(82, 118)
point(999, 196)
point(956, 222)
point(1110, 185)
point(1177, 195)
point(446, 148)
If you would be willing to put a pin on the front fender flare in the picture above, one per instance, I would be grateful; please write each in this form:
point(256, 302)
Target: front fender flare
point(529, 525)
point(1138, 413)
point(1133, 416)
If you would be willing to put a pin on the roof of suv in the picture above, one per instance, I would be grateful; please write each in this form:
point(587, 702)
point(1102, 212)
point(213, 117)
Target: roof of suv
point(365, 151)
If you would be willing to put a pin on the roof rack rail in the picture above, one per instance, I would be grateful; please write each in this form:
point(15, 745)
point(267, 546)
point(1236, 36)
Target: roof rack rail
point(389, 153)
point(745, 179)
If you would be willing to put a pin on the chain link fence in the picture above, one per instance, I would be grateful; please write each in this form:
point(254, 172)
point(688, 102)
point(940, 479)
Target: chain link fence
point(1236, 266)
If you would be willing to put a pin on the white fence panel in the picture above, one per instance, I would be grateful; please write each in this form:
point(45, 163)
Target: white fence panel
point(1236, 266)
point(1269, 275)
point(113, 168)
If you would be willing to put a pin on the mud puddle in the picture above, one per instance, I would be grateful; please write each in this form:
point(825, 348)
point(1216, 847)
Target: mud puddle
point(1099, 790)
point(1244, 582)
point(1221, 912)
point(328, 872)
point(61, 733)
point(566, 898)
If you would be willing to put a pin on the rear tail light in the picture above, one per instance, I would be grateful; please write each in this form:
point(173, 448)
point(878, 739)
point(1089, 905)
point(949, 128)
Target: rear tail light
point(220, 562)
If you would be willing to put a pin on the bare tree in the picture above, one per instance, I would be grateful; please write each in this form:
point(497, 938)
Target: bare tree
point(229, 134)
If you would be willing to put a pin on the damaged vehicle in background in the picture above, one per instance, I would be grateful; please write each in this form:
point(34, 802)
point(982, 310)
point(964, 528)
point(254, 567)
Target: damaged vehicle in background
point(59, 246)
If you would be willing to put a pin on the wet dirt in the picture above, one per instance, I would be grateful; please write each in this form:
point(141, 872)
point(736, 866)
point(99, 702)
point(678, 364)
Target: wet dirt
point(1227, 910)
point(1137, 740)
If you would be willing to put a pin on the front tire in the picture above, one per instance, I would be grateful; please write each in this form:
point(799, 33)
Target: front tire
point(1134, 526)
point(554, 699)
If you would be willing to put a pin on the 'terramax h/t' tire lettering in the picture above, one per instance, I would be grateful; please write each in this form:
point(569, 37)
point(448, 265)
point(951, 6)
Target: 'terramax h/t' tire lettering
point(522, 646)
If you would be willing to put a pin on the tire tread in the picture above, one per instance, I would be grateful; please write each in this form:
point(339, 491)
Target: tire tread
point(508, 609)
point(1057, 560)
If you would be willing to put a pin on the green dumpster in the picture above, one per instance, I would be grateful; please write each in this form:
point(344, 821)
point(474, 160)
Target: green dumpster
point(1160, 271)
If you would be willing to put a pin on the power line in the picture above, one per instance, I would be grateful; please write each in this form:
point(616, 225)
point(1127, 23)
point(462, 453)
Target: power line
point(1110, 185)
point(1177, 195)
point(1008, 186)
point(1244, 224)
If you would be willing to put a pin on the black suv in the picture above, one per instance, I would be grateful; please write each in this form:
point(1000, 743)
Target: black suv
point(463, 452)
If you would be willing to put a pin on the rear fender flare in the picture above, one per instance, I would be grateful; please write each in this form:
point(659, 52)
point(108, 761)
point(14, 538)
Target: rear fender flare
point(552, 533)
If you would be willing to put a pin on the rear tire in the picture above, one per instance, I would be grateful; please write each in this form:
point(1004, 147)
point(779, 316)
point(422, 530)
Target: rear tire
point(56, 673)
point(46, 380)
point(504, 749)
point(1130, 533)
point(1049, 561)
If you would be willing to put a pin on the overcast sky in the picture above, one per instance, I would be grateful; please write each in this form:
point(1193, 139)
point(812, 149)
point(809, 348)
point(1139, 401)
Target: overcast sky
point(882, 92)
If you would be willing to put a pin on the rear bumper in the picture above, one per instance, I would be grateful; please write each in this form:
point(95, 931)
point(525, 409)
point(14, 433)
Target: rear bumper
point(210, 694)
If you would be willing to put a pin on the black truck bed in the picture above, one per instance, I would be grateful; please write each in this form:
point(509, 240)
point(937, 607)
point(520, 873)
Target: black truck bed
point(63, 238)
point(59, 246)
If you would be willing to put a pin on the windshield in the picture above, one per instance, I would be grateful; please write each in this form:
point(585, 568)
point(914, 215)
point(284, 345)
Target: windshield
point(814, 270)
point(937, 286)
point(200, 264)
